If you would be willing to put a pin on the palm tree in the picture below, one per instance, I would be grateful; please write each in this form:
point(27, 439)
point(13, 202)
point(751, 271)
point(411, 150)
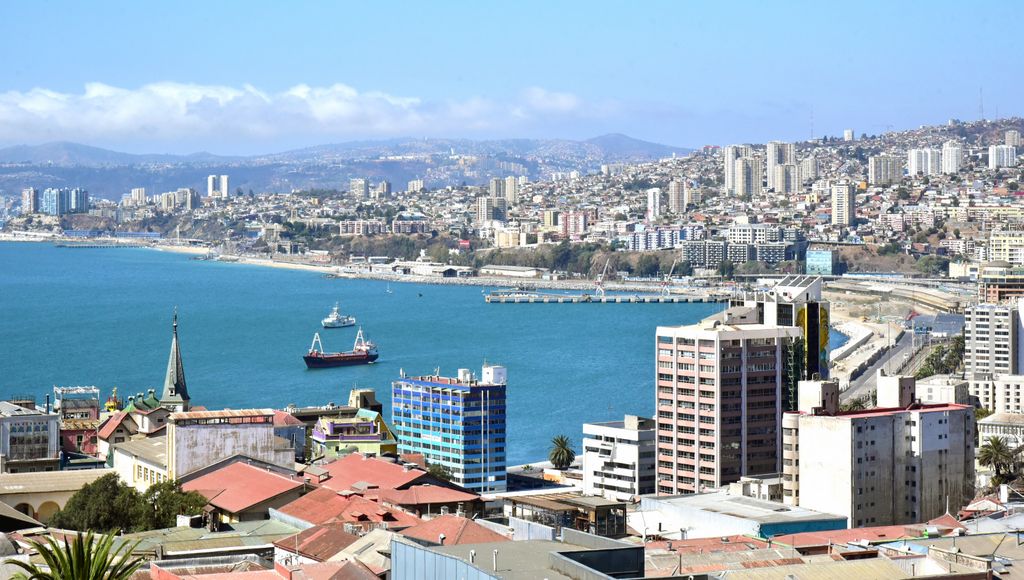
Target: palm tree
point(995, 453)
point(562, 454)
point(87, 557)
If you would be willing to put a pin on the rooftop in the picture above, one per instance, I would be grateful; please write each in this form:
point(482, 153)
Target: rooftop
point(319, 542)
point(761, 511)
point(49, 481)
point(356, 467)
point(426, 494)
point(522, 560)
point(456, 530)
point(8, 409)
point(285, 419)
point(151, 449)
point(222, 414)
point(1016, 419)
point(186, 539)
point(240, 486)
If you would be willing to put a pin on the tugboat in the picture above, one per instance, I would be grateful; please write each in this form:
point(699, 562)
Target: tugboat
point(337, 320)
point(363, 352)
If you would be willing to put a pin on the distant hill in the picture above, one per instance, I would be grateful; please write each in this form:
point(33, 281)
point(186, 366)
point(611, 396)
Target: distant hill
point(75, 154)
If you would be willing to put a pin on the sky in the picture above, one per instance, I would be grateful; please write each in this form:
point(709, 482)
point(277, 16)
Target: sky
point(233, 77)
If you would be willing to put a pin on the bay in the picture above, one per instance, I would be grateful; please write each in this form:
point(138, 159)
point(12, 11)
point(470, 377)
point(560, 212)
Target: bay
point(103, 317)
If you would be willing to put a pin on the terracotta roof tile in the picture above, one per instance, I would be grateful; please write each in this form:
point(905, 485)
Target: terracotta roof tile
point(319, 542)
point(284, 419)
point(456, 530)
point(425, 494)
point(355, 468)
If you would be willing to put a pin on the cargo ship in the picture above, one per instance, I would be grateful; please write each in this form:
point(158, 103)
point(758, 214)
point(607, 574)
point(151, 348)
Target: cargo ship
point(363, 352)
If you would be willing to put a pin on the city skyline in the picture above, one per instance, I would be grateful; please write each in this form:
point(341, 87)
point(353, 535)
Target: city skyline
point(571, 72)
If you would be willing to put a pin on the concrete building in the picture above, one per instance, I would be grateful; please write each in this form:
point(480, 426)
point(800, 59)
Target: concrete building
point(1005, 245)
point(847, 134)
point(29, 200)
point(41, 495)
point(992, 335)
point(365, 433)
point(619, 458)
point(1000, 281)
point(677, 198)
point(653, 204)
point(843, 211)
point(902, 462)
point(952, 157)
point(939, 389)
point(999, 393)
point(1002, 156)
point(924, 162)
point(720, 399)
point(511, 190)
point(884, 170)
point(749, 180)
point(778, 153)
point(787, 178)
point(1012, 138)
point(359, 188)
point(414, 186)
point(1007, 426)
point(457, 422)
point(821, 263)
point(491, 209)
point(29, 437)
point(217, 186)
point(731, 154)
point(56, 202)
point(138, 196)
point(198, 439)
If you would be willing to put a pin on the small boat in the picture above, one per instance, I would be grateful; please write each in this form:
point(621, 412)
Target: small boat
point(388, 288)
point(337, 320)
point(363, 352)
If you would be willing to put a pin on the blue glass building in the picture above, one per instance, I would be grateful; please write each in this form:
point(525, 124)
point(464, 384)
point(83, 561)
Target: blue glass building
point(458, 423)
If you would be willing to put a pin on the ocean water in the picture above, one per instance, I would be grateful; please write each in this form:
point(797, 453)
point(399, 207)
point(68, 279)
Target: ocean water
point(103, 317)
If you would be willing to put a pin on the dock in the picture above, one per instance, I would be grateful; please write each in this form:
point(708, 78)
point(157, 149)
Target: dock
point(94, 245)
point(594, 299)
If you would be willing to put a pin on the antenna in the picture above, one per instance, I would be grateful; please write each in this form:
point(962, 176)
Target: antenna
point(981, 103)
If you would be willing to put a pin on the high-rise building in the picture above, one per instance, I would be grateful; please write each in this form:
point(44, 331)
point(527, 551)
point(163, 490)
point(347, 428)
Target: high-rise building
point(574, 224)
point(1002, 156)
point(720, 399)
point(359, 188)
point(787, 178)
point(54, 201)
point(384, 189)
point(415, 185)
point(677, 201)
point(653, 204)
point(496, 187)
point(748, 179)
point(511, 190)
point(884, 170)
point(902, 462)
point(808, 169)
point(924, 162)
point(796, 301)
point(550, 218)
point(847, 134)
point(843, 211)
point(619, 458)
point(778, 153)
point(992, 340)
point(952, 157)
point(138, 196)
point(1012, 138)
point(491, 209)
point(1005, 245)
point(79, 200)
point(29, 200)
point(217, 186)
point(730, 154)
point(456, 422)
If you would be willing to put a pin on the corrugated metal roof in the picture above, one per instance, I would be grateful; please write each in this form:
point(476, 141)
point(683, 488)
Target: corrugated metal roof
point(224, 413)
point(49, 481)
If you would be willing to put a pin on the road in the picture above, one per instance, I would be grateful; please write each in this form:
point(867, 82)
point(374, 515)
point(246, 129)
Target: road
point(865, 383)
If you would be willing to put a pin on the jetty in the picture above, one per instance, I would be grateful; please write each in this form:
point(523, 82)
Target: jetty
point(521, 298)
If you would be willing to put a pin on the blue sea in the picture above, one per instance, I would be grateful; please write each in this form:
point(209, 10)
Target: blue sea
point(102, 317)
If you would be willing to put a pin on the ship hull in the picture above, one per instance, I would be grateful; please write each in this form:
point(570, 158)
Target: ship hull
point(341, 359)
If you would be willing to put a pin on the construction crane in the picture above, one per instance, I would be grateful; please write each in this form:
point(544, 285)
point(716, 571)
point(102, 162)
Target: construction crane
point(599, 282)
point(667, 281)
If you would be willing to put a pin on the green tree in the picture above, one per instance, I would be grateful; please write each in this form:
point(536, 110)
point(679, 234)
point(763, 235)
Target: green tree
point(932, 265)
point(726, 269)
point(981, 412)
point(995, 453)
point(440, 471)
point(562, 454)
point(105, 505)
point(86, 557)
point(857, 404)
point(165, 501)
point(647, 265)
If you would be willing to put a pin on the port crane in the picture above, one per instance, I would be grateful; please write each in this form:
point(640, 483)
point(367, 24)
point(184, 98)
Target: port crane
point(599, 282)
point(667, 281)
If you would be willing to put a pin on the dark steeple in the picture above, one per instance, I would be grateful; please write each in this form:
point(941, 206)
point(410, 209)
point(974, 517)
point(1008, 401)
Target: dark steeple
point(175, 396)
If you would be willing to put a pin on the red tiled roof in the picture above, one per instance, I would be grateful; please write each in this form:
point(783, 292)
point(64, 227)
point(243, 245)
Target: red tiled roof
point(425, 494)
point(319, 542)
point(323, 505)
point(417, 458)
point(283, 419)
point(456, 530)
point(356, 467)
point(110, 425)
point(239, 486)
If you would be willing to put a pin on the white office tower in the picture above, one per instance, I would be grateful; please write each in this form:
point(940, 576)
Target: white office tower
point(1002, 156)
point(511, 190)
point(138, 196)
point(843, 212)
point(809, 169)
point(787, 178)
point(952, 157)
point(884, 170)
point(217, 186)
point(653, 204)
point(359, 188)
point(677, 196)
point(747, 181)
point(924, 162)
point(415, 185)
point(731, 153)
point(619, 458)
point(778, 153)
point(1013, 138)
point(847, 134)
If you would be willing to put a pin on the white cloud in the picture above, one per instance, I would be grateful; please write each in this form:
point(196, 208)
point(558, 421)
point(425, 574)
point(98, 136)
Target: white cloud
point(169, 112)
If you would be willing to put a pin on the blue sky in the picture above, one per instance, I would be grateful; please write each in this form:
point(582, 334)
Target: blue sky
point(244, 77)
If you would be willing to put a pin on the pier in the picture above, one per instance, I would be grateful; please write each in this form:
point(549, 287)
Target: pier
point(98, 245)
point(595, 299)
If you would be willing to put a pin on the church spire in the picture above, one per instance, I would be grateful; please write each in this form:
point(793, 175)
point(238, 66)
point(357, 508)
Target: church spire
point(175, 396)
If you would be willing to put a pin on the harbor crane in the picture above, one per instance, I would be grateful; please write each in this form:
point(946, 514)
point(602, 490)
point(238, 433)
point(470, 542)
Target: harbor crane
point(599, 282)
point(667, 281)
